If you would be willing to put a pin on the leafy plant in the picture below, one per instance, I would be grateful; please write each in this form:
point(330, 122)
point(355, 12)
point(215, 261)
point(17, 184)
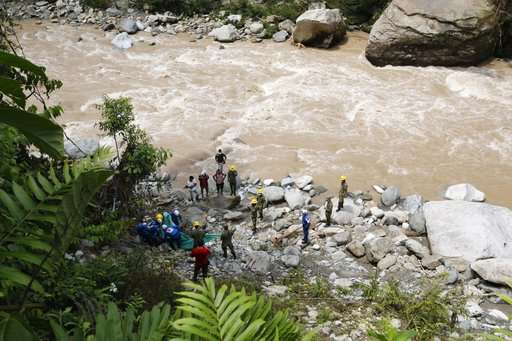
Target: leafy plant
point(40, 215)
point(119, 326)
point(387, 332)
point(428, 311)
point(138, 160)
point(230, 314)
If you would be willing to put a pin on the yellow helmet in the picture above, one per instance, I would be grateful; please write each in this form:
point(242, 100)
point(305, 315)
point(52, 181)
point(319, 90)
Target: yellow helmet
point(254, 201)
point(343, 178)
point(196, 224)
point(232, 168)
point(260, 191)
point(159, 216)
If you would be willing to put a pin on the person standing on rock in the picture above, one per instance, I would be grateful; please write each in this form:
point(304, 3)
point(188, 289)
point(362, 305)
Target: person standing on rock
point(192, 188)
point(219, 178)
point(328, 211)
point(306, 224)
point(227, 241)
point(343, 192)
point(220, 158)
point(254, 213)
point(262, 203)
point(201, 254)
point(203, 183)
point(232, 176)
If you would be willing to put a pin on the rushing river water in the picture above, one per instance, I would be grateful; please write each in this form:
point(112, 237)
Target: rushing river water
point(278, 109)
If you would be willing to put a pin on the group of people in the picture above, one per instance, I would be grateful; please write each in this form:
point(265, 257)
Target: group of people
point(305, 218)
point(165, 228)
point(219, 178)
point(201, 252)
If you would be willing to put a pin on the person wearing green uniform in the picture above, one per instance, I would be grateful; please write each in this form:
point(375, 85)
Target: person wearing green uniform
point(197, 234)
point(343, 192)
point(254, 213)
point(227, 241)
point(328, 211)
point(261, 203)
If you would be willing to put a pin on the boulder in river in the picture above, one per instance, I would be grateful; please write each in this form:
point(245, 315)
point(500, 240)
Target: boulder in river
point(495, 270)
point(280, 36)
point(434, 32)
point(465, 192)
point(122, 41)
point(225, 34)
point(128, 25)
point(80, 148)
point(319, 28)
point(469, 230)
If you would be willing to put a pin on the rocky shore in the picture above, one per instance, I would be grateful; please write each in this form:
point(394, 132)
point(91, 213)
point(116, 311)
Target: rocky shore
point(460, 241)
point(416, 32)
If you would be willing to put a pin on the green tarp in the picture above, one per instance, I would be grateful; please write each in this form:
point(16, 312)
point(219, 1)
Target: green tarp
point(186, 243)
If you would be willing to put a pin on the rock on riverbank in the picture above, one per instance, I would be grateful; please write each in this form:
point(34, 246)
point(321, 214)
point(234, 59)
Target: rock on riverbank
point(435, 32)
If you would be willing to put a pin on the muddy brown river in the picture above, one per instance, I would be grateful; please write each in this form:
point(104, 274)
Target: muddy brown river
point(277, 109)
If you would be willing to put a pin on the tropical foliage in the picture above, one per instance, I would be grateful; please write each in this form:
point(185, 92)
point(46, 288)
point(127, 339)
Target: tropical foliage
point(230, 314)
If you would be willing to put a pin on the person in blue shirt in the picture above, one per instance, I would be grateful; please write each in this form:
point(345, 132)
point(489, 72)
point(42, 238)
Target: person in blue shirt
point(306, 224)
point(172, 236)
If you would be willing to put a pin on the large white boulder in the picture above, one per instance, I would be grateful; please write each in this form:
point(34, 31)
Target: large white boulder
point(128, 25)
point(122, 41)
point(296, 198)
point(390, 196)
point(80, 148)
point(465, 192)
point(303, 181)
point(496, 270)
point(273, 194)
point(320, 28)
point(225, 34)
point(468, 230)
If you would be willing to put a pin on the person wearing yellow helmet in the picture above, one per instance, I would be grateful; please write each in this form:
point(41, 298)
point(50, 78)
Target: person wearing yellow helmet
point(262, 203)
point(159, 217)
point(232, 179)
point(343, 192)
point(254, 213)
point(197, 234)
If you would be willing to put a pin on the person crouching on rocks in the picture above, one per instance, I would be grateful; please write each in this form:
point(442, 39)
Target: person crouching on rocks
point(306, 224)
point(192, 188)
point(201, 254)
point(203, 183)
point(219, 178)
point(254, 213)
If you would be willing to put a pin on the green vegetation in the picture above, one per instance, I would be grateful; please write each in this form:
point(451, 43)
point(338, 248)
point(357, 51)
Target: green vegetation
point(428, 311)
point(502, 334)
point(386, 332)
point(136, 156)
